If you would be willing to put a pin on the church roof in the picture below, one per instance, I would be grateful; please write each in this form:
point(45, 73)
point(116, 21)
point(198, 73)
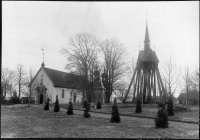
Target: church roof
point(147, 34)
point(149, 56)
point(62, 79)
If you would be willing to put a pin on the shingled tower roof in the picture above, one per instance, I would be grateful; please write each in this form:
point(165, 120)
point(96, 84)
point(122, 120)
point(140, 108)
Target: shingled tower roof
point(147, 55)
point(147, 34)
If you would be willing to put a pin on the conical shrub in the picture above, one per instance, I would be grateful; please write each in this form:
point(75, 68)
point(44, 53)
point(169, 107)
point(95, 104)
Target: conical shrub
point(115, 113)
point(86, 111)
point(170, 106)
point(46, 107)
point(138, 107)
point(57, 107)
point(98, 105)
point(84, 104)
point(161, 120)
point(70, 109)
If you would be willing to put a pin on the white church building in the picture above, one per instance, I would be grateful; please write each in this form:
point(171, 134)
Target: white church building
point(50, 83)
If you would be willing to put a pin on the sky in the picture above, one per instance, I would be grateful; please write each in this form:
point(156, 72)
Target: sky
point(28, 26)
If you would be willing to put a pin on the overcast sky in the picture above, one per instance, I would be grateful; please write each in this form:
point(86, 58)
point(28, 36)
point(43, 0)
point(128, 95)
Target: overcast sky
point(28, 25)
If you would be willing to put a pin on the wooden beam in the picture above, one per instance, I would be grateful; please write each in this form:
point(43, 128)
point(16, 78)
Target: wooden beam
point(144, 87)
point(138, 86)
point(163, 89)
point(158, 82)
point(154, 85)
point(149, 84)
point(141, 85)
point(129, 87)
point(135, 86)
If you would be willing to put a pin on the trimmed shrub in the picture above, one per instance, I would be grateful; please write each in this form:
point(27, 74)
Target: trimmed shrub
point(46, 107)
point(138, 107)
point(84, 104)
point(86, 111)
point(161, 120)
point(115, 113)
point(98, 105)
point(70, 109)
point(57, 107)
point(170, 106)
point(161, 105)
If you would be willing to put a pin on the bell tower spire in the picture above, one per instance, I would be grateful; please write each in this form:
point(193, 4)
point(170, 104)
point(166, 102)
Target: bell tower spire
point(43, 58)
point(146, 40)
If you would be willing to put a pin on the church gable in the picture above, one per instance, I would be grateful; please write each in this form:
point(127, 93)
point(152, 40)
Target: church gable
point(42, 76)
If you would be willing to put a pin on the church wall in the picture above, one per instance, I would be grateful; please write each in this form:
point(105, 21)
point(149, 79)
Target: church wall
point(67, 96)
point(52, 91)
point(48, 84)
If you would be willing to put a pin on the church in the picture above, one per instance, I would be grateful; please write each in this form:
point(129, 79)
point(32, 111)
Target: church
point(48, 83)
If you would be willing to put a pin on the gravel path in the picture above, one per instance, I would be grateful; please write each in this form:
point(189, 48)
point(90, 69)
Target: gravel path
point(123, 118)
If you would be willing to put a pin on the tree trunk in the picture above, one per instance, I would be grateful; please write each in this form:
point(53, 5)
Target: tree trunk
point(29, 98)
point(108, 99)
point(19, 90)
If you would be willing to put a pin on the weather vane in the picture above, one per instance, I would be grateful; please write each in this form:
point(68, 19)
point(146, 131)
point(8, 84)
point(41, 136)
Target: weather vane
point(146, 16)
point(43, 52)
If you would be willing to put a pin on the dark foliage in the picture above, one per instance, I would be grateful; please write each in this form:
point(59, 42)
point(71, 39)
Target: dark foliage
point(2, 100)
point(138, 107)
point(57, 107)
point(14, 100)
point(180, 109)
point(161, 105)
point(115, 113)
point(170, 106)
point(70, 109)
point(161, 120)
point(86, 111)
point(46, 107)
point(98, 105)
point(84, 104)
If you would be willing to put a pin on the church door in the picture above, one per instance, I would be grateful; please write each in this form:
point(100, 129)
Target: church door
point(41, 98)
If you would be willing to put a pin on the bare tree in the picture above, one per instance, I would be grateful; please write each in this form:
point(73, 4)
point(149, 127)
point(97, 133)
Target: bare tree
point(114, 55)
point(129, 72)
point(27, 90)
point(186, 76)
point(20, 77)
point(7, 77)
point(195, 80)
point(171, 76)
point(82, 57)
point(121, 88)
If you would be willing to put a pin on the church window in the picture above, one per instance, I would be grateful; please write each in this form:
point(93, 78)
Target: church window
point(63, 93)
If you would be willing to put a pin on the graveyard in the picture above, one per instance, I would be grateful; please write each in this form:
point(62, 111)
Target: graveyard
point(34, 122)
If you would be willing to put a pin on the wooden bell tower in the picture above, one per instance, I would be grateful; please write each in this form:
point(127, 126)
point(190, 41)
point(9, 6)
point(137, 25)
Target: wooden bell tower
point(146, 81)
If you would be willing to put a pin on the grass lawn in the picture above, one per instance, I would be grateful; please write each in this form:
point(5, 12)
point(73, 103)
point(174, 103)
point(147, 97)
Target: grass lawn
point(20, 121)
point(149, 111)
